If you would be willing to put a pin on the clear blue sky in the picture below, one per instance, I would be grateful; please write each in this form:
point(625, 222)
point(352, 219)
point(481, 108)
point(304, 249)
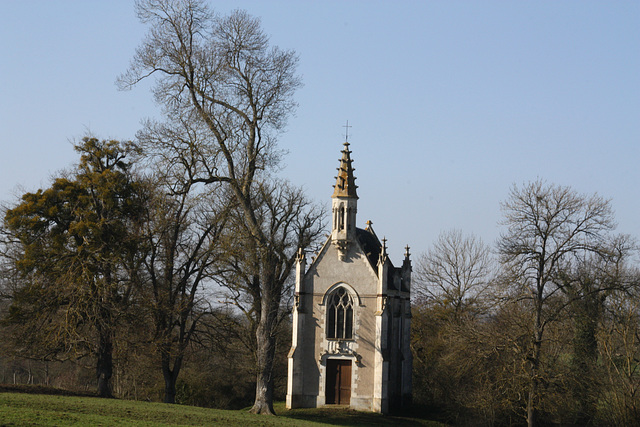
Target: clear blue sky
point(451, 102)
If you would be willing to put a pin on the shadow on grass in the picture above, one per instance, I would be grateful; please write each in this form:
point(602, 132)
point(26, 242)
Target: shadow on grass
point(42, 389)
point(341, 416)
point(337, 416)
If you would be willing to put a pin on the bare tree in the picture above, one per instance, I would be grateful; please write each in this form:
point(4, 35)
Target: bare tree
point(587, 281)
point(455, 272)
point(183, 225)
point(256, 275)
point(219, 75)
point(547, 225)
point(182, 246)
point(620, 351)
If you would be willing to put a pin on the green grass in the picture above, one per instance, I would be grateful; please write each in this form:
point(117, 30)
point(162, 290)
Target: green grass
point(20, 409)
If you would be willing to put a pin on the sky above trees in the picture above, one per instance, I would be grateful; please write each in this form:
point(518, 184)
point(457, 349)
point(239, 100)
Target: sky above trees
point(450, 103)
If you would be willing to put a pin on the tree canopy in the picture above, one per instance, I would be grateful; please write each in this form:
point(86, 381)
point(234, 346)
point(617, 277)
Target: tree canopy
point(77, 245)
point(217, 77)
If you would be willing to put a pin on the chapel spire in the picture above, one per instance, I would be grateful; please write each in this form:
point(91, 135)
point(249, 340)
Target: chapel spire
point(344, 203)
point(345, 181)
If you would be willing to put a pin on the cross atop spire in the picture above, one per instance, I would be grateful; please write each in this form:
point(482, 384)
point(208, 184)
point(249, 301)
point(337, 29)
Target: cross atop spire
point(346, 132)
point(345, 181)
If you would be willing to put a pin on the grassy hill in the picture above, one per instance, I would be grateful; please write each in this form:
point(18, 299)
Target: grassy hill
point(21, 409)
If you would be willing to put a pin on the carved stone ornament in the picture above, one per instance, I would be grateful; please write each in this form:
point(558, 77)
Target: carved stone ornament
point(348, 353)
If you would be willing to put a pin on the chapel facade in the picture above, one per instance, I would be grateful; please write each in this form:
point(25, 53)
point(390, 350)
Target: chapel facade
point(352, 316)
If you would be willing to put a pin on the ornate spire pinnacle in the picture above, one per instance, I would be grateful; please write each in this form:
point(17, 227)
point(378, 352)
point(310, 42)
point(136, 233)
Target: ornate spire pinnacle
point(383, 252)
point(345, 181)
point(344, 206)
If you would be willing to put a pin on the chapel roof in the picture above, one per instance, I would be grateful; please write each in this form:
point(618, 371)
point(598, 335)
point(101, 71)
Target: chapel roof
point(372, 248)
point(370, 245)
point(345, 181)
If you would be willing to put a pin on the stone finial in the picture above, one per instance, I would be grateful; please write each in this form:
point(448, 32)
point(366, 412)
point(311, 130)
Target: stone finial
point(383, 252)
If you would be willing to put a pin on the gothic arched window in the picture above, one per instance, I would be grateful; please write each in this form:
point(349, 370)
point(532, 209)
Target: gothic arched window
point(341, 217)
point(340, 314)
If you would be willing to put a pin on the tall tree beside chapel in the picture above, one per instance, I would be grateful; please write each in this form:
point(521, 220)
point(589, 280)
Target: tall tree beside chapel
point(220, 75)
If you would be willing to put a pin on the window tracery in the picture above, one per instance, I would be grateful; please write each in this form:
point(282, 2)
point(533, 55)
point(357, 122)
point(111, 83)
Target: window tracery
point(340, 315)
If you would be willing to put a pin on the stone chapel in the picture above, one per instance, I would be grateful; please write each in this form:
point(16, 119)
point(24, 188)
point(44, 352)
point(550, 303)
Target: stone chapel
point(352, 316)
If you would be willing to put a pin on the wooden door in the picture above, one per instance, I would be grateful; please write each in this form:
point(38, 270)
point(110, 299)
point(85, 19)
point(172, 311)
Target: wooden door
point(338, 391)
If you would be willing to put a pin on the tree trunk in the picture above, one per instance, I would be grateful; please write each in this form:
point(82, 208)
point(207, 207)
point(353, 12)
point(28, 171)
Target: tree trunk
point(170, 376)
point(587, 312)
point(266, 349)
point(534, 362)
point(104, 369)
point(264, 381)
point(531, 410)
point(533, 382)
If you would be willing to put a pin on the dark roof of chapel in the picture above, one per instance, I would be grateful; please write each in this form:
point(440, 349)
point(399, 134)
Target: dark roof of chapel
point(371, 246)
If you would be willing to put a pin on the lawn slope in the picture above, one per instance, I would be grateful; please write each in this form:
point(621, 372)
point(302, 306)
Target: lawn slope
point(20, 409)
